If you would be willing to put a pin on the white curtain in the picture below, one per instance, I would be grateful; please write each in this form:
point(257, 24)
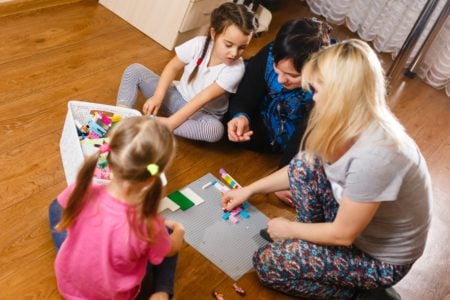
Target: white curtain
point(387, 23)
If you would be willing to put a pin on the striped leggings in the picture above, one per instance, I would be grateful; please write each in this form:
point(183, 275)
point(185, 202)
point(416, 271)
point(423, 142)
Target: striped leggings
point(201, 126)
point(305, 269)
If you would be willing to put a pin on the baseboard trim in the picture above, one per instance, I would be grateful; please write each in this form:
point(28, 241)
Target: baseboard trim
point(18, 6)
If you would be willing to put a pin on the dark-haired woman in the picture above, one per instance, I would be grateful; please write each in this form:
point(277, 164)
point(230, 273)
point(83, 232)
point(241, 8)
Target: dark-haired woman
point(269, 111)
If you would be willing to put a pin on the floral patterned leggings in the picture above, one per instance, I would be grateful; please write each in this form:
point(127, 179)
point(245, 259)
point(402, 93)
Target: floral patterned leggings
point(301, 268)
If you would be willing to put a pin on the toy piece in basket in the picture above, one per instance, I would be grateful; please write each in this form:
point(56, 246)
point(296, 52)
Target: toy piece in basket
point(100, 122)
point(76, 130)
point(90, 146)
point(102, 170)
point(93, 134)
point(98, 125)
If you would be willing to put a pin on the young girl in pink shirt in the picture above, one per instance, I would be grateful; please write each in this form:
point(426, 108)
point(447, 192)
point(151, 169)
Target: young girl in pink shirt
point(115, 237)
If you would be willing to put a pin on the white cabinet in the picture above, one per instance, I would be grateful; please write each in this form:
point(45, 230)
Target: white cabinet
point(168, 22)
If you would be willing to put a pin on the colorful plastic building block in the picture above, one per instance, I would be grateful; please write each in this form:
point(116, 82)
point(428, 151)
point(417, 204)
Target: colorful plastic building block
point(239, 210)
point(96, 128)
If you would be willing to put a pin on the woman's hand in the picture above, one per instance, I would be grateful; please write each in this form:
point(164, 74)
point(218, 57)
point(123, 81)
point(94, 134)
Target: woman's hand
point(279, 229)
point(235, 198)
point(151, 106)
point(239, 129)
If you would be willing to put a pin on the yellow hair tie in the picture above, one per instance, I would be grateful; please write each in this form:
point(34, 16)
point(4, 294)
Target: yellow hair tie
point(153, 169)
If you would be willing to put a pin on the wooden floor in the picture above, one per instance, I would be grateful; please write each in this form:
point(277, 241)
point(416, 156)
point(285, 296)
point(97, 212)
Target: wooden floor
point(78, 51)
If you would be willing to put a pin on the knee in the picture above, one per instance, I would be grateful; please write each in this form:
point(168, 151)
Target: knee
point(303, 171)
point(300, 161)
point(134, 69)
point(215, 138)
point(215, 133)
point(54, 212)
point(55, 208)
point(263, 263)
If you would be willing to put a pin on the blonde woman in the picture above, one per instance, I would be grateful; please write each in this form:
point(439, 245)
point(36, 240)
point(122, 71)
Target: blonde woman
point(361, 188)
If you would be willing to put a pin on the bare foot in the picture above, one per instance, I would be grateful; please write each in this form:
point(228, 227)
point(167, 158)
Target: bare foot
point(285, 197)
point(122, 105)
point(159, 296)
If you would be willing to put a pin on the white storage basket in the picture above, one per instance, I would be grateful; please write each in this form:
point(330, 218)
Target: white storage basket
point(71, 154)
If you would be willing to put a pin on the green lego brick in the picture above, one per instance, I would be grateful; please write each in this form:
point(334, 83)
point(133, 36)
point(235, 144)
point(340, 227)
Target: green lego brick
point(181, 200)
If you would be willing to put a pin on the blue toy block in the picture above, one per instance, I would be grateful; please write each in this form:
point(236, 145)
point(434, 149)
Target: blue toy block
point(245, 214)
point(226, 215)
point(97, 129)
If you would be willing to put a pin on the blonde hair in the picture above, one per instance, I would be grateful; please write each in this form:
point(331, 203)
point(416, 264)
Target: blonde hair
point(352, 96)
point(135, 143)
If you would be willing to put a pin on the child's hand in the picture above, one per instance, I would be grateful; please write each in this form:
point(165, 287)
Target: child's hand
point(235, 197)
point(151, 106)
point(177, 236)
point(239, 129)
point(174, 225)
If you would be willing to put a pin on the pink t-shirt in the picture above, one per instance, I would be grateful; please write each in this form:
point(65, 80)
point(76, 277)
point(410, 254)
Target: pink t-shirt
point(102, 257)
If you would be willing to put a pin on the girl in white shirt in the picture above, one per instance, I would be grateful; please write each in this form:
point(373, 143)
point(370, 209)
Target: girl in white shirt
point(212, 67)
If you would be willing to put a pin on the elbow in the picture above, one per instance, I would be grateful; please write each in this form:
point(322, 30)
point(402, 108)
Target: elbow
point(176, 247)
point(346, 242)
point(174, 250)
point(342, 238)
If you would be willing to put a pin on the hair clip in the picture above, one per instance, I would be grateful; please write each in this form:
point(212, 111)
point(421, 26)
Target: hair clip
point(163, 179)
point(153, 169)
point(104, 148)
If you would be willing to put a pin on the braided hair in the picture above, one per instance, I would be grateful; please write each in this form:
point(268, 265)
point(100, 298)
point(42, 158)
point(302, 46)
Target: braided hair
point(222, 17)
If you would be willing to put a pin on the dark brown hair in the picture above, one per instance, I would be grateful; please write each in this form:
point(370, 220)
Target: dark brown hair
point(297, 39)
point(222, 17)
